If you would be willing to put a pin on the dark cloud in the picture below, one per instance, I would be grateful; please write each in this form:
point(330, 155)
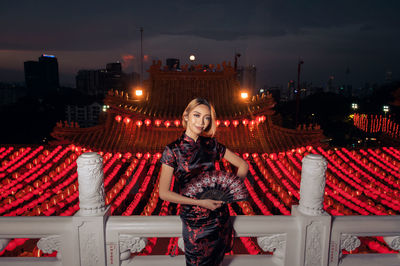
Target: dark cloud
point(270, 34)
point(96, 25)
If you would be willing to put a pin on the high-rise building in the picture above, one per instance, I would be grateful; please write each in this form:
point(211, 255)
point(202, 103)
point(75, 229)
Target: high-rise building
point(98, 82)
point(84, 115)
point(42, 75)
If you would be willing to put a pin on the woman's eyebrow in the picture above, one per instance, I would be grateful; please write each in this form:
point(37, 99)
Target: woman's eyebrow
point(197, 112)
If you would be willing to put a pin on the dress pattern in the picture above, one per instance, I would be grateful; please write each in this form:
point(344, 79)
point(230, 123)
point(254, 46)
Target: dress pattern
point(207, 234)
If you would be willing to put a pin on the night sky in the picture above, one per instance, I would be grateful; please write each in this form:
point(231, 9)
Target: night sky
point(362, 36)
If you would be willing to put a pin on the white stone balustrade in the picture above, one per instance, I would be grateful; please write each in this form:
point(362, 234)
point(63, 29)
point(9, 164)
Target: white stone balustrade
point(309, 237)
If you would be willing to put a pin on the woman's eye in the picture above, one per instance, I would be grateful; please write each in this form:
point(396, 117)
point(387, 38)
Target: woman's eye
point(196, 115)
point(208, 118)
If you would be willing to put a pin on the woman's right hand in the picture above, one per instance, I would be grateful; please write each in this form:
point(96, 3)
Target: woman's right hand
point(210, 204)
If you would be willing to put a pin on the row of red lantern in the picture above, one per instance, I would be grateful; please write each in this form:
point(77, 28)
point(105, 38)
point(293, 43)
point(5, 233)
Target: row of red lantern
point(374, 124)
point(382, 162)
point(24, 177)
point(142, 190)
point(14, 162)
point(116, 190)
point(356, 183)
point(273, 184)
point(380, 186)
point(282, 208)
point(177, 123)
point(394, 153)
point(366, 189)
point(40, 189)
point(122, 196)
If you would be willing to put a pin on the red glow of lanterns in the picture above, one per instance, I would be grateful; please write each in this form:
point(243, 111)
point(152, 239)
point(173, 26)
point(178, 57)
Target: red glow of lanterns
point(218, 123)
point(139, 155)
point(167, 123)
point(226, 123)
point(118, 118)
point(235, 123)
point(245, 122)
point(139, 123)
point(177, 123)
point(157, 122)
point(147, 122)
point(127, 120)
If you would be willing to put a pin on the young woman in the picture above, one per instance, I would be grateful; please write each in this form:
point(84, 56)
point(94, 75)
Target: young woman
point(207, 230)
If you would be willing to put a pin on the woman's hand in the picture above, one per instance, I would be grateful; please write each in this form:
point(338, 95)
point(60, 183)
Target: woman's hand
point(210, 204)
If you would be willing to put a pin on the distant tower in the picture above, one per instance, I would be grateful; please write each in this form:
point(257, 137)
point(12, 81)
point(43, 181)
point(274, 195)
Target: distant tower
point(49, 67)
point(43, 75)
point(247, 78)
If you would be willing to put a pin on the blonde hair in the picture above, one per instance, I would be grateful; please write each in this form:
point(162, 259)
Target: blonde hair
point(212, 127)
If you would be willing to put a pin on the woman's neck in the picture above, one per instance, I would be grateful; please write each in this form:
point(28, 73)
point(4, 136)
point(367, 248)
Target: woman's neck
point(191, 135)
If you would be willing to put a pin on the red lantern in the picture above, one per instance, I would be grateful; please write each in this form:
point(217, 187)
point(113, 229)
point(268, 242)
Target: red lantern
point(139, 155)
point(127, 120)
point(139, 123)
point(245, 122)
point(235, 123)
point(118, 118)
point(177, 123)
point(167, 124)
point(147, 122)
point(218, 123)
point(227, 123)
point(157, 122)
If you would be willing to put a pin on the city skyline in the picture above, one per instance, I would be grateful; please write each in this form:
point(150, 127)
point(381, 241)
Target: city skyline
point(331, 38)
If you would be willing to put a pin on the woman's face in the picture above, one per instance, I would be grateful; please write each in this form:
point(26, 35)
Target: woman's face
point(198, 120)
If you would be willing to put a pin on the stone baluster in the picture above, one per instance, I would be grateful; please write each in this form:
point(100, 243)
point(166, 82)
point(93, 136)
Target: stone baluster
point(90, 220)
point(314, 222)
point(312, 186)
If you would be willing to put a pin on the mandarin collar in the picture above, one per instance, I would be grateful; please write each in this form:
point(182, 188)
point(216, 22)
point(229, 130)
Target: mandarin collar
point(188, 139)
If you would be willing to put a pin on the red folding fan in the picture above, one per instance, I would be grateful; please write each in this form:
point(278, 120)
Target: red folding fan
point(216, 185)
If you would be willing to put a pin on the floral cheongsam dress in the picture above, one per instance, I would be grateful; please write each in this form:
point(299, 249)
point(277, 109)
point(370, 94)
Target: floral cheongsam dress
point(207, 234)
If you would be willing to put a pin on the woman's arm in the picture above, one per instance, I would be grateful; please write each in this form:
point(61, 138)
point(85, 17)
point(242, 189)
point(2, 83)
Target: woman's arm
point(241, 164)
point(168, 195)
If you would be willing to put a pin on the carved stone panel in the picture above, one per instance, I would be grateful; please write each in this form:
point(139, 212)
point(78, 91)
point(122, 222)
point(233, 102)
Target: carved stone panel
point(393, 242)
point(349, 242)
point(313, 256)
point(49, 244)
point(91, 243)
point(274, 243)
point(131, 243)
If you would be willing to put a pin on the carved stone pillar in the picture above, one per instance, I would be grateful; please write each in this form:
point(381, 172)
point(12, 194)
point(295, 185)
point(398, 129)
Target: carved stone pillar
point(89, 222)
point(314, 222)
point(91, 183)
point(312, 186)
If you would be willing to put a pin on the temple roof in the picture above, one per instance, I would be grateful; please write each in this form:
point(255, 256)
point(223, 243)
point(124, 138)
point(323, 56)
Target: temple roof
point(152, 120)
